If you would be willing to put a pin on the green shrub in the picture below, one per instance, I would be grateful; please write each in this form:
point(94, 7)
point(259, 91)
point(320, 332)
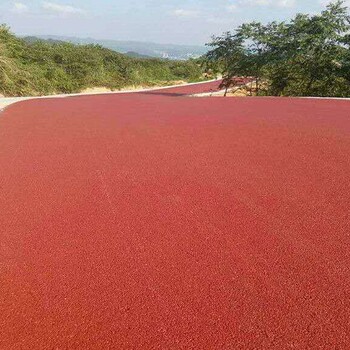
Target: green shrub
point(37, 67)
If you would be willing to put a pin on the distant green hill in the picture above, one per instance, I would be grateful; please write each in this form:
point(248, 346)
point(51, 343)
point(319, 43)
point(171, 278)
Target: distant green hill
point(170, 51)
point(136, 55)
point(34, 39)
point(36, 67)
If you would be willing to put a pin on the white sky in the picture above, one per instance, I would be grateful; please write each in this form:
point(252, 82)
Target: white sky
point(163, 21)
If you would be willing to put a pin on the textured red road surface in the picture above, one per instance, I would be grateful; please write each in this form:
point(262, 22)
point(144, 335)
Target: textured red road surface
point(158, 221)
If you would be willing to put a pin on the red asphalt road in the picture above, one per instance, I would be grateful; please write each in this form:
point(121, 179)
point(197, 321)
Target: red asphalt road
point(158, 221)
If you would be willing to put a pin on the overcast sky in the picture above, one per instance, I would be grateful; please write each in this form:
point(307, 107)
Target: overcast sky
point(163, 21)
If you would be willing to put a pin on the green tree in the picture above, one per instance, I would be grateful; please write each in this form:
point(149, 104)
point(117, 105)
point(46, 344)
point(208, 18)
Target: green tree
point(307, 56)
point(227, 57)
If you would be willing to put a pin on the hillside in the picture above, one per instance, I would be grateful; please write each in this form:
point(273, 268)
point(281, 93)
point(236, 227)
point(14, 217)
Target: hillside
point(36, 67)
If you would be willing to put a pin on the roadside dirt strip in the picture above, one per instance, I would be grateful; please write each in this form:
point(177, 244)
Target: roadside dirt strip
point(209, 86)
point(159, 221)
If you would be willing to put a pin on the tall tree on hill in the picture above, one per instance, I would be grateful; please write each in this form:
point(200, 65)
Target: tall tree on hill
point(227, 57)
point(312, 51)
point(307, 56)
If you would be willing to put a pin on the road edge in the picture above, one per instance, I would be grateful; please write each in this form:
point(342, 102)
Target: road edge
point(8, 101)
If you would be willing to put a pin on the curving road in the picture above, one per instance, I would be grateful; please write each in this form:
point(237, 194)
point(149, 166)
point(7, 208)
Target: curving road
point(159, 221)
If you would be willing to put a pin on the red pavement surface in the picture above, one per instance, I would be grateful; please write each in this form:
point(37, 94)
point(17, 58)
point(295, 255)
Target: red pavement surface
point(157, 221)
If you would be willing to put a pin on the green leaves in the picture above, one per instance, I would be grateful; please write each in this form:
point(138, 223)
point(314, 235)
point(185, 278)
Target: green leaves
point(37, 67)
point(309, 56)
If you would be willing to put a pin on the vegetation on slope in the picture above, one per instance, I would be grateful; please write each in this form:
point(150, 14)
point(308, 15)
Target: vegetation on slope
point(309, 56)
point(42, 67)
